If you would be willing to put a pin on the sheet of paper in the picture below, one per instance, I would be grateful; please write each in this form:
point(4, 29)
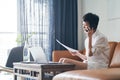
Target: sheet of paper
point(68, 48)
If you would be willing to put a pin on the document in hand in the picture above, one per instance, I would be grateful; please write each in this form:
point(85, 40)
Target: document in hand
point(68, 48)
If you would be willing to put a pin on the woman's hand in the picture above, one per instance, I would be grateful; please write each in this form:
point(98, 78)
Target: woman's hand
point(74, 53)
point(79, 54)
point(65, 60)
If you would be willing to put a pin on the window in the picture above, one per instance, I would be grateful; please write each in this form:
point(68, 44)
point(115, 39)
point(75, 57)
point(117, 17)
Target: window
point(8, 28)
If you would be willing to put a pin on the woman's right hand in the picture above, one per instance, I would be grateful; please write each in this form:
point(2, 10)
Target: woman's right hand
point(74, 53)
point(79, 54)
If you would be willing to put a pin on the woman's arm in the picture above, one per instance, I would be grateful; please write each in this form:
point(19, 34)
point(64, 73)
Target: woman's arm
point(90, 33)
point(80, 55)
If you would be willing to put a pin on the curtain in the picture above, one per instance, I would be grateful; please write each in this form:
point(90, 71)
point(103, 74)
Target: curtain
point(46, 21)
point(34, 21)
point(65, 24)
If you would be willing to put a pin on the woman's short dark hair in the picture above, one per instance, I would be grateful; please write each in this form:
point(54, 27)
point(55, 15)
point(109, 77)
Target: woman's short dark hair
point(92, 19)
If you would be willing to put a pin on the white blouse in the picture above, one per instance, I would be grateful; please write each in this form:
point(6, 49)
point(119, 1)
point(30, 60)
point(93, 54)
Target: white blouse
point(100, 50)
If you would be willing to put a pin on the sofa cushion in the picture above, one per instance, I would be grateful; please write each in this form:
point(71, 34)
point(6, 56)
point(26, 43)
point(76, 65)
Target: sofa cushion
point(115, 62)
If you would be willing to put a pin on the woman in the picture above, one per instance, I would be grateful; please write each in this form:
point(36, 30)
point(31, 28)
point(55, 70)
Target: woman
point(96, 46)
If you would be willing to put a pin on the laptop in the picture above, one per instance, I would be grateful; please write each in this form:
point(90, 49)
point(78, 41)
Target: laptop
point(39, 55)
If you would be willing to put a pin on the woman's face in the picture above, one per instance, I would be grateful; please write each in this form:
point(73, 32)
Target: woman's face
point(86, 27)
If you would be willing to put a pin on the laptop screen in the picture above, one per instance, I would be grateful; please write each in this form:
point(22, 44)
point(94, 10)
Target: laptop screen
point(38, 55)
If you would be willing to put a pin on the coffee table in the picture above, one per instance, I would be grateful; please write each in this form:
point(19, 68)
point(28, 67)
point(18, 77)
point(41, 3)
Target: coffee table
point(41, 71)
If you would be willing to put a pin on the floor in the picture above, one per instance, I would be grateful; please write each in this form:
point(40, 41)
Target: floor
point(6, 76)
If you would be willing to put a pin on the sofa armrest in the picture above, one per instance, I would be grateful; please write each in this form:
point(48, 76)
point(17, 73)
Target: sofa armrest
point(57, 54)
point(99, 74)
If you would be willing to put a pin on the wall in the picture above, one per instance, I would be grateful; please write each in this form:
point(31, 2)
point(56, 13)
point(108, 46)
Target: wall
point(109, 13)
point(80, 30)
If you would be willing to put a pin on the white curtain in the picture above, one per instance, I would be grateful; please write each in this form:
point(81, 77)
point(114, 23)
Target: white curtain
point(34, 19)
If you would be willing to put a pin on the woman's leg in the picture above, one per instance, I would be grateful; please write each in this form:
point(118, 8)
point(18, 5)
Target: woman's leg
point(78, 64)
